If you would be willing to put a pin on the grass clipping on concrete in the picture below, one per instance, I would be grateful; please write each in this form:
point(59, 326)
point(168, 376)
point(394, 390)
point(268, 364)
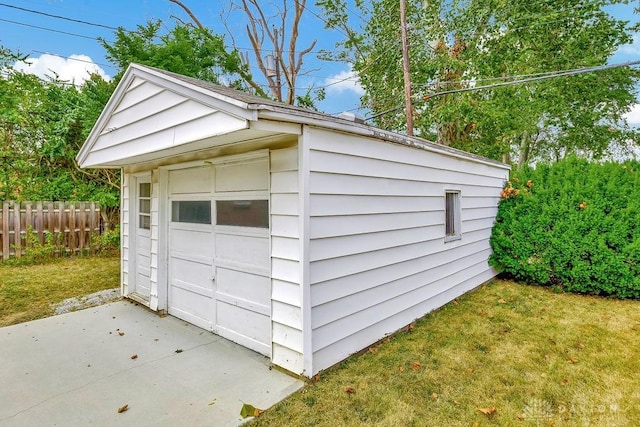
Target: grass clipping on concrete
point(505, 354)
point(29, 292)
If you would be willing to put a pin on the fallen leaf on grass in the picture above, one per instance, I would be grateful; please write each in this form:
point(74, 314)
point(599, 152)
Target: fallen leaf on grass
point(573, 360)
point(134, 357)
point(455, 402)
point(316, 377)
point(373, 350)
point(455, 302)
point(434, 396)
point(488, 411)
point(250, 411)
point(123, 409)
point(416, 366)
point(411, 327)
point(349, 390)
point(502, 301)
point(401, 369)
point(580, 345)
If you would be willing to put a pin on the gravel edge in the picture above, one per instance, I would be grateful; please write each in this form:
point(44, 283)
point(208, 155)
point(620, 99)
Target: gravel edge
point(86, 301)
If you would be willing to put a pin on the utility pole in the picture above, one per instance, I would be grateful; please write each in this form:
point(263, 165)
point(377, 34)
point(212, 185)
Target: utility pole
point(405, 67)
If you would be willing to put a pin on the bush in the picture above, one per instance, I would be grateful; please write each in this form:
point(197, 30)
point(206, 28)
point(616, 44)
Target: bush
point(574, 225)
point(108, 243)
point(35, 252)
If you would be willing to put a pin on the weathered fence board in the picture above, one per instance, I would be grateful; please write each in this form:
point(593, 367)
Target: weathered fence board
point(70, 226)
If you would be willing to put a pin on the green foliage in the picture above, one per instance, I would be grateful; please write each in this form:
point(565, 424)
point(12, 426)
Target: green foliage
point(577, 227)
point(108, 243)
point(36, 252)
point(459, 44)
point(43, 124)
point(187, 50)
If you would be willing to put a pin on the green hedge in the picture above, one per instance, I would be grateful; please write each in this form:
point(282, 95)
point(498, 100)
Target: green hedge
point(574, 225)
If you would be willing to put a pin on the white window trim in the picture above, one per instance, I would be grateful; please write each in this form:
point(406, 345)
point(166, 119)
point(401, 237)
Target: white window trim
point(457, 213)
point(143, 179)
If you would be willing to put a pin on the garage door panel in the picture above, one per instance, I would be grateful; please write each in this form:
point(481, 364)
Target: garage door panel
point(196, 273)
point(192, 241)
point(243, 249)
point(240, 284)
point(241, 177)
point(190, 181)
point(246, 323)
point(191, 306)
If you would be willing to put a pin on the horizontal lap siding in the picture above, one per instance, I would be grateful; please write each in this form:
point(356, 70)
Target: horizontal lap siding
point(377, 251)
point(286, 312)
point(150, 118)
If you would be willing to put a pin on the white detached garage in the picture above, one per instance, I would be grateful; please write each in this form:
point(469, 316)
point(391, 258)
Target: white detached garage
point(300, 235)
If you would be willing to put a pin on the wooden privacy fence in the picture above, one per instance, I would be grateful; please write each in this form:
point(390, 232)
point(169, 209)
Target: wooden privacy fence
point(70, 227)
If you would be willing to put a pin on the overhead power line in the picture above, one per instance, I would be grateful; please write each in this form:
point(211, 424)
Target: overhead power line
point(547, 76)
point(567, 73)
point(71, 58)
point(48, 29)
point(24, 9)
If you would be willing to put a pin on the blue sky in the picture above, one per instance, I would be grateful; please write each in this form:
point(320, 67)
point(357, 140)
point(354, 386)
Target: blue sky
point(74, 50)
point(70, 55)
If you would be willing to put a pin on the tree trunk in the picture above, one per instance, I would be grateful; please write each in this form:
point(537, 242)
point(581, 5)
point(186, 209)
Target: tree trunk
point(525, 145)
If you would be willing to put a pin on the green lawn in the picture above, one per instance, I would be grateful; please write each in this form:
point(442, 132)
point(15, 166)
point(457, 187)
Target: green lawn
point(505, 354)
point(28, 292)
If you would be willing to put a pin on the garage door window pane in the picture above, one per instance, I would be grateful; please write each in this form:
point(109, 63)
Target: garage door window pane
point(193, 211)
point(243, 213)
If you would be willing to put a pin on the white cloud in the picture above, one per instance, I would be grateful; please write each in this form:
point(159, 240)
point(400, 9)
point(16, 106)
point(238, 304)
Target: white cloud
point(633, 116)
point(75, 69)
point(633, 48)
point(344, 81)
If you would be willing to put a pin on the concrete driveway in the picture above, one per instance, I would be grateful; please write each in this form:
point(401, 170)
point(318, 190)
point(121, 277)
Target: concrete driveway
point(79, 368)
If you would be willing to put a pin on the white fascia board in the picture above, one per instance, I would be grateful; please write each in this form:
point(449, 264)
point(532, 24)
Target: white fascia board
point(115, 98)
point(340, 125)
point(213, 99)
point(279, 126)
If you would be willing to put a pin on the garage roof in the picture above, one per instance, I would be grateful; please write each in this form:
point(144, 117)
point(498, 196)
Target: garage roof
point(155, 113)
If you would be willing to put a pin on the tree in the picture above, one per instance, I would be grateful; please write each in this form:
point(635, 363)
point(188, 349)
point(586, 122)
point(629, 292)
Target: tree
point(271, 28)
point(463, 44)
point(42, 126)
point(193, 52)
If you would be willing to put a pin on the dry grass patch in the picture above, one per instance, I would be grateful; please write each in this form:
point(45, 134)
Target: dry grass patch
point(504, 355)
point(28, 292)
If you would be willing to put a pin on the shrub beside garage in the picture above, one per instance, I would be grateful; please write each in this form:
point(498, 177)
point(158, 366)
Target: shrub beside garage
point(574, 225)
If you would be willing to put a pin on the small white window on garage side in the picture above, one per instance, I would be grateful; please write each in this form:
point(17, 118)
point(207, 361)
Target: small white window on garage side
point(144, 205)
point(452, 215)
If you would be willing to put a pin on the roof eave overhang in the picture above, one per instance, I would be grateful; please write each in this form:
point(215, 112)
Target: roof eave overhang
point(231, 106)
point(342, 125)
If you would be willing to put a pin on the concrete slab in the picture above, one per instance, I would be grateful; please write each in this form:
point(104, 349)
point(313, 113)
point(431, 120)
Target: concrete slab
point(78, 369)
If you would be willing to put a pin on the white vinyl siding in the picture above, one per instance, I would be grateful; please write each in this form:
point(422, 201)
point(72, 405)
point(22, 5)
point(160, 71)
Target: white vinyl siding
point(150, 118)
point(286, 293)
point(378, 259)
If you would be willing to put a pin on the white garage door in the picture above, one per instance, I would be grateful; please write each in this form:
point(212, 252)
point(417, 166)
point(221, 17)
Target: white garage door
point(219, 270)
